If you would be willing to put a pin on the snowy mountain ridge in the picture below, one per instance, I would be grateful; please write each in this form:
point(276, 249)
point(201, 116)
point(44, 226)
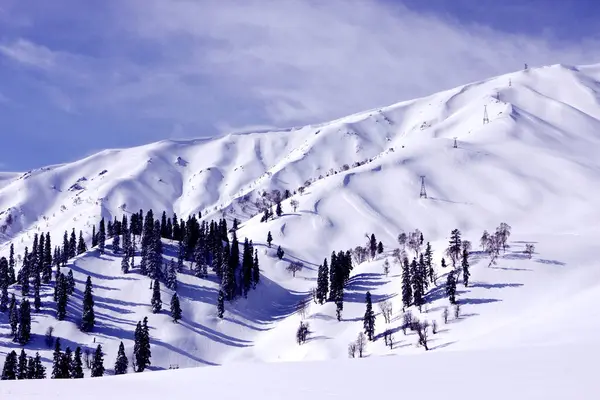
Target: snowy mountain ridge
point(534, 165)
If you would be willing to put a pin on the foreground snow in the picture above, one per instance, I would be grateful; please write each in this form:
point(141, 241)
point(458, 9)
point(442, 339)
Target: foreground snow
point(548, 373)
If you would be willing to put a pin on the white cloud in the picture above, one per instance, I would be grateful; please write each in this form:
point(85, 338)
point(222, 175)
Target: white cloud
point(260, 62)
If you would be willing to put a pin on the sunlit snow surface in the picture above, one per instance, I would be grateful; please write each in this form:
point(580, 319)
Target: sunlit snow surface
point(534, 166)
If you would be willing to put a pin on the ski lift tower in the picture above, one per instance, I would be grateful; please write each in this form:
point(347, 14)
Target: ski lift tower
point(423, 193)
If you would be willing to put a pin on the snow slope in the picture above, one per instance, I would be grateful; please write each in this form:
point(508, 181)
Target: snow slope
point(534, 166)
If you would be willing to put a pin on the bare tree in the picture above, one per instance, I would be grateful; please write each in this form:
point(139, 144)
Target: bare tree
point(386, 267)
point(402, 238)
point(434, 327)
point(529, 249)
point(301, 190)
point(352, 350)
point(388, 337)
point(414, 241)
point(457, 311)
point(361, 344)
point(503, 233)
point(445, 315)
point(302, 332)
point(484, 240)
point(492, 247)
point(313, 293)
point(294, 267)
point(49, 339)
point(421, 328)
point(294, 203)
point(407, 320)
point(87, 359)
point(386, 310)
point(466, 245)
point(302, 308)
point(359, 254)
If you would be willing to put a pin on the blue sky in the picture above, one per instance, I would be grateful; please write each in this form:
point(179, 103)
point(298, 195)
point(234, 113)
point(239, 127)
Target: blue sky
point(77, 77)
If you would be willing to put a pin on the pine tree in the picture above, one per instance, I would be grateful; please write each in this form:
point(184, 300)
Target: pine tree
point(407, 294)
point(88, 317)
point(455, 246)
point(22, 365)
point(72, 244)
point(379, 248)
point(81, 246)
point(30, 368)
point(13, 316)
point(444, 263)
point(175, 308)
point(101, 236)
point(156, 302)
point(373, 245)
point(65, 249)
point(37, 300)
point(47, 260)
point(3, 273)
point(66, 362)
point(465, 267)
point(94, 236)
point(247, 266)
point(172, 275)
point(77, 365)
point(9, 371)
point(4, 299)
point(25, 273)
point(417, 284)
point(24, 329)
point(280, 252)
point(98, 363)
point(221, 304)
point(451, 287)
point(269, 238)
point(61, 296)
point(278, 209)
point(322, 282)
point(429, 262)
point(369, 318)
point(56, 361)
point(70, 282)
point(255, 270)
point(122, 361)
point(116, 244)
point(125, 264)
point(141, 348)
point(39, 369)
point(11, 265)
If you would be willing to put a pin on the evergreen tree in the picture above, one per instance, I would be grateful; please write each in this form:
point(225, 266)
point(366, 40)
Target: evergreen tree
point(322, 282)
point(369, 318)
point(444, 263)
point(4, 299)
point(373, 245)
point(88, 318)
point(280, 252)
point(247, 266)
point(94, 236)
point(3, 273)
point(465, 267)
point(141, 348)
point(407, 294)
point(221, 304)
point(156, 301)
point(24, 329)
point(172, 275)
point(98, 363)
point(122, 361)
point(70, 282)
point(175, 308)
point(77, 365)
point(37, 300)
point(25, 273)
point(81, 246)
point(62, 296)
point(428, 257)
point(72, 244)
point(278, 209)
point(125, 264)
point(22, 365)
point(101, 236)
point(379, 248)
point(30, 368)
point(417, 284)
point(39, 369)
point(255, 270)
point(116, 244)
point(66, 363)
point(180, 256)
point(269, 238)
point(451, 287)
point(13, 316)
point(47, 260)
point(11, 265)
point(9, 371)
point(56, 361)
point(455, 246)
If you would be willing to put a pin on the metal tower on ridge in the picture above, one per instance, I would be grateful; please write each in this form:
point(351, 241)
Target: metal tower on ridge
point(455, 143)
point(486, 120)
point(423, 193)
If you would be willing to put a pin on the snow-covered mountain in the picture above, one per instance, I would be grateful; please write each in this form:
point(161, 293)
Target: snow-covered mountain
point(534, 165)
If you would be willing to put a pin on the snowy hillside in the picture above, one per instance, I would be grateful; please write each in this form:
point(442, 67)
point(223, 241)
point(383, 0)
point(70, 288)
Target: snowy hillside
point(533, 166)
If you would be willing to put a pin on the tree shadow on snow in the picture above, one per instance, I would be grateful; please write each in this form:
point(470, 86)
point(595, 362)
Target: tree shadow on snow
point(494, 285)
point(477, 301)
point(213, 334)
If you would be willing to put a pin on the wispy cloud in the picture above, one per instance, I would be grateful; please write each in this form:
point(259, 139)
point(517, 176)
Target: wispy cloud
point(216, 65)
